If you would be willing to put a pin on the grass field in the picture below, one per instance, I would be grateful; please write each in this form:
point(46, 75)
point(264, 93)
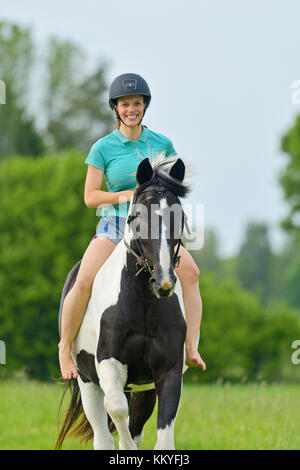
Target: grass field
point(210, 417)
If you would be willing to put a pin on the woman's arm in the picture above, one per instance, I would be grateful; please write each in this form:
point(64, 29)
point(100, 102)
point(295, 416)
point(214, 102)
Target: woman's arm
point(94, 197)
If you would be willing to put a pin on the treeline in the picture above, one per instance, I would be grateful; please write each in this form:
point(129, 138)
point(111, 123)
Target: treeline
point(53, 101)
point(45, 229)
point(270, 275)
point(251, 314)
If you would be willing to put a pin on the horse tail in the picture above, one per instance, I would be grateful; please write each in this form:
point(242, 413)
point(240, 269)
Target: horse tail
point(75, 423)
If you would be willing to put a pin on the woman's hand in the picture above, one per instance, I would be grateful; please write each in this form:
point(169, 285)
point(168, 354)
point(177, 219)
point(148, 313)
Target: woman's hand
point(128, 194)
point(195, 360)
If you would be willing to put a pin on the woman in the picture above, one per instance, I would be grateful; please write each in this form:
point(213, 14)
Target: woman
point(117, 155)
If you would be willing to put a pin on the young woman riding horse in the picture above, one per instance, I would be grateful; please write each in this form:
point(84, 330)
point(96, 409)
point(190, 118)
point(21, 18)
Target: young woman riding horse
point(116, 156)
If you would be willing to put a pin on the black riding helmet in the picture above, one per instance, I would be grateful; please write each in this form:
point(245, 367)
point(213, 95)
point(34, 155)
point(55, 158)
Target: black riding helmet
point(128, 84)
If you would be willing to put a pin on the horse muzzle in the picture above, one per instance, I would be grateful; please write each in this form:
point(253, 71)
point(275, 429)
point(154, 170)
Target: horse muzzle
point(164, 288)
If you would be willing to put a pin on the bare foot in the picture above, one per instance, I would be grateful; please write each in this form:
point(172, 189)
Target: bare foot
point(195, 360)
point(67, 366)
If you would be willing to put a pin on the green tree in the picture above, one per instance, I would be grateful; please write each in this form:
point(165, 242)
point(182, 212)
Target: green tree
point(292, 282)
point(290, 177)
point(285, 276)
point(45, 228)
point(76, 103)
point(240, 339)
point(71, 107)
point(254, 261)
point(290, 184)
point(208, 259)
point(17, 57)
point(17, 127)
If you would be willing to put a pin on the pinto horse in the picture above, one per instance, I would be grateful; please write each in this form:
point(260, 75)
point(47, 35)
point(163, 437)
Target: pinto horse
point(130, 346)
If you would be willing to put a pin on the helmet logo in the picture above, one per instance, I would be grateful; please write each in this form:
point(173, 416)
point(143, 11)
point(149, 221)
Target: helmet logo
point(129, 85)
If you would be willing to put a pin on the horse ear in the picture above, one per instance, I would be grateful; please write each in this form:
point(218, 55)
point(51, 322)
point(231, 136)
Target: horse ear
point(144, 172)
point(178, 170)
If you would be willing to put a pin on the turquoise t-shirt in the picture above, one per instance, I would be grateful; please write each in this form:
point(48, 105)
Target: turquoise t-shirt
point(119, 158)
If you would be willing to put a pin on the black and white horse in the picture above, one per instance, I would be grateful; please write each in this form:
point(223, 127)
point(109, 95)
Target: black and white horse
point(131, 341)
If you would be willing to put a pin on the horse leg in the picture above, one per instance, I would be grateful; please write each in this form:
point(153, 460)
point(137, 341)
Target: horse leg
point(92, 401)
point(141, 408)
point(168, 388)
point(112, 378)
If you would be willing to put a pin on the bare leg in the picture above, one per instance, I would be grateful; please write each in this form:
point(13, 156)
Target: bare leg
point(188, 274)
point(77, 299)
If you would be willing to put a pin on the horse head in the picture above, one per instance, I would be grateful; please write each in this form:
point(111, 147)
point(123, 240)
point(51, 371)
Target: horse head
point(156, 219)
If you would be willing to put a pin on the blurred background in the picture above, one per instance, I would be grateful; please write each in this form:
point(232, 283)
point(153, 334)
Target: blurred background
point(224, 78)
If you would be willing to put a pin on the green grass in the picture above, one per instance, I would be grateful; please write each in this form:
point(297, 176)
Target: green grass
point(209, 417)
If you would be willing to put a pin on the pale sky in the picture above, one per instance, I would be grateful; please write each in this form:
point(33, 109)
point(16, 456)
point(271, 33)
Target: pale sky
point(221, 75)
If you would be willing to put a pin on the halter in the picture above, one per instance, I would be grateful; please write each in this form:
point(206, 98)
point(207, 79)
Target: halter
point(141, 258)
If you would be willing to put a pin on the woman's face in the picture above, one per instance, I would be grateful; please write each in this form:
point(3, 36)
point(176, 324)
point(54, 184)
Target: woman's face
point(131, 109)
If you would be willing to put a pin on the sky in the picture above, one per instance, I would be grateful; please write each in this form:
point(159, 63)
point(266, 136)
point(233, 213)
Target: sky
point(221, 76)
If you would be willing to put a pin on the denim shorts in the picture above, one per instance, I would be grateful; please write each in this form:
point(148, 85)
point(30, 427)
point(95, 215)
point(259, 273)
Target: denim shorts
point(111, 227)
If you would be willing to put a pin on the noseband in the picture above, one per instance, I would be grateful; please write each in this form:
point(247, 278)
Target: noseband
point(141, 258)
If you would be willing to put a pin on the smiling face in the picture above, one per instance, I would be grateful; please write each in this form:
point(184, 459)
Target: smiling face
point(131, 109)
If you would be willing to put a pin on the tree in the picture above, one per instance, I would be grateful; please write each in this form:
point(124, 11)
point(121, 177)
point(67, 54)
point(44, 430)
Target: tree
point(285, 276)
point(290, 183)
point(207, 258)
point(18, 130)
point(290, 177)
point(45, 229)
point(17, 56)
point(240, 339)
point(71, 107)
point(76, 103)
point(254, 261)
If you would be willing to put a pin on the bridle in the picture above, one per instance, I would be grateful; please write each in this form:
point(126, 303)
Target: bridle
point(141, 258)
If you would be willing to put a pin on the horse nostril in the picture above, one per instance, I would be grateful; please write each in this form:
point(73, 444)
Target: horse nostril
point(164, 292)
point(152, 280)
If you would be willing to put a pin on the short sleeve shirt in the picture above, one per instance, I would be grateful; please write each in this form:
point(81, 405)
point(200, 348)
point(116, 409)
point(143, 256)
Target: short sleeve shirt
point(119, 158)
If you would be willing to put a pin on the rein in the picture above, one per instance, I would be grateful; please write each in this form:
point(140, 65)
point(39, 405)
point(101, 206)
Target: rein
point(141, 258)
